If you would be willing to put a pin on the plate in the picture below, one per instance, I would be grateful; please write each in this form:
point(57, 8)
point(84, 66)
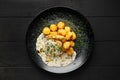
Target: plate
point(79, 24)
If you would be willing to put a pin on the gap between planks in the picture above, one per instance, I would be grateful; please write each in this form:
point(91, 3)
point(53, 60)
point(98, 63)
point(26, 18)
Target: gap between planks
point(92, 66)
point(36, 15)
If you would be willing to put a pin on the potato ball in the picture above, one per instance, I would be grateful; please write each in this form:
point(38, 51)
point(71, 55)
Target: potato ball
point(53, 27)
point(64, 39)
point(60, 37)
point(61, 25)
point(72, 44)
point(62, 32)
point(46, 30)
point(70, 51)
point(66, 45)
point(68, 36)
point(50, 37)
point(53, 33)
point(73, 36)
point(67, 28)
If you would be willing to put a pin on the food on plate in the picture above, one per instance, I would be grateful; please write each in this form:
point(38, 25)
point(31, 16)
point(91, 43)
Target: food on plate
point(55, 45)
point(66, 45)
point(73, 36)
point(59, 43)
point(53, 27)
point(61, 25)
point(68, 36)
point(70, 51)
point(46, 30)
point(72, 43)
point(62, 32)
point(67, 28)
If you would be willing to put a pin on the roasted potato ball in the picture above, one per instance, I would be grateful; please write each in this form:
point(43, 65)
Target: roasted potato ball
point(62, 32)
point(61, 25)
point(67, 28)
point(59, 37)
point(66, 45)
point(73, 36)
point(50, 36)
point(63, 40)
point(70, 51)
point(46, 30)
point(53, 27)
point(59, 43)
point(68, 36)
point(72, 44)
point(53, 33)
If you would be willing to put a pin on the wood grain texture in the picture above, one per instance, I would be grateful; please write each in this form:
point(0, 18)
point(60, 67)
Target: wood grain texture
point(90, 73)
point(30, 8)
point(104, 28)
point(13, 29)
point(13, 54)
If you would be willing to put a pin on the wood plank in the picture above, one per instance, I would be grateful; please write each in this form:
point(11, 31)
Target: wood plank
point(104, 28)
point(89, 73)
point(33, 7)
point(105, 54)
point(14, 54)
point(13, 29)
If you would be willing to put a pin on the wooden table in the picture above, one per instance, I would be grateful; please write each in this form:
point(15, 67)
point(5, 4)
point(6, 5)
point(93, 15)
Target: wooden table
point(16, 15)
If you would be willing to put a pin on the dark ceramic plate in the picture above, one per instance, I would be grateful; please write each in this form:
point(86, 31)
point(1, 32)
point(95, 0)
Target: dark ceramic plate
point(79, 25)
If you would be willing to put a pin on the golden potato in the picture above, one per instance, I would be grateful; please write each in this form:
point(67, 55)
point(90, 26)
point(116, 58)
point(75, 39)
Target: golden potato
point(60, 37)
point(72, 44)
point(61, 25)
point(66, 45)
point(62, 32)
point(64, 39)
point(53, 33)
point(73, 36)
point(59, 43)
point(50, 36)
point(70, 51)
point(53, 27)
point(67, 28)
point(68, 36)
point(46, 30)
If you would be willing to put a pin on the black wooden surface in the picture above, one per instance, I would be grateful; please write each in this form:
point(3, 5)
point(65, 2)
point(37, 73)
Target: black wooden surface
point(16, 15)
